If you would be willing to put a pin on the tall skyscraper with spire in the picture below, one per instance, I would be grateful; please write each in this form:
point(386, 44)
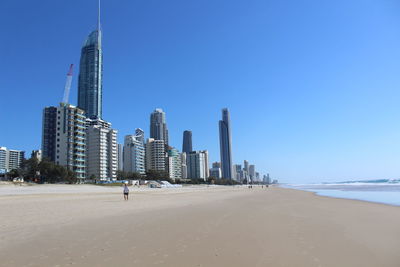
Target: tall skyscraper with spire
point(225, 141)
point(90, 84)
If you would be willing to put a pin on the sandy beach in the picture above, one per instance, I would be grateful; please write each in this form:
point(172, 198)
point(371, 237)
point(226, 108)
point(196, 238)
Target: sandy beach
point(195, 226)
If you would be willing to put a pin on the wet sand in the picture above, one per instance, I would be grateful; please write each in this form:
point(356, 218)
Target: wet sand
point(221, 226)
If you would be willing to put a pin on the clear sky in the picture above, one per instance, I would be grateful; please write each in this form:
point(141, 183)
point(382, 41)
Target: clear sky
point(312, 86)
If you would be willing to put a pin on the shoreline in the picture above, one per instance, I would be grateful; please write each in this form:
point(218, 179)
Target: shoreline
point(335, 193)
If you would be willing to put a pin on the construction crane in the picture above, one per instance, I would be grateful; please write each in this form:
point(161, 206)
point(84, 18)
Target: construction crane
point(68, 85)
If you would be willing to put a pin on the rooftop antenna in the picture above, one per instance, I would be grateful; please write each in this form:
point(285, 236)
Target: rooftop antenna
point(68, 85)
point(98, 17)
point(99, 26)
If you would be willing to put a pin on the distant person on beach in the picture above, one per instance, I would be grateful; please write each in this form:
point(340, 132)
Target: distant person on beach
point(126, 192)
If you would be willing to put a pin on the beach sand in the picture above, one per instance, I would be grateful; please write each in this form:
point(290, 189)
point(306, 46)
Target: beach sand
point(196, 226)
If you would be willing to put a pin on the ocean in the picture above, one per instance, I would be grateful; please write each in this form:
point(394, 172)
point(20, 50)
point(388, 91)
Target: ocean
point(380, 191)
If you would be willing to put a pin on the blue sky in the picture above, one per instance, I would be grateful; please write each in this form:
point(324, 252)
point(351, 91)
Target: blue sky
point(312, 86)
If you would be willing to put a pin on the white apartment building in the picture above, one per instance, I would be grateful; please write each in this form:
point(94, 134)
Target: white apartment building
point(10, 159)
point(134, 154)
point(70, 138)
point(155, 155)
point(174, 164)
point(101, 150)
point(197, 165)
point(120, 153)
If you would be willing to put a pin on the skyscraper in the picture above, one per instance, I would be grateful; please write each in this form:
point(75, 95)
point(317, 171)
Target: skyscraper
point(184, 166)
point(225, 141)
point(174, 164)
point(158, 126)
point(64, 138)
point(120, 155)
point(90, 84)
point(155, 155)
point(49, 133)
point(215, 171)
point(139, 135)
point(198, 165)
point(134, 152)
point(187, 142)
point(252, 173)
point(101, 150)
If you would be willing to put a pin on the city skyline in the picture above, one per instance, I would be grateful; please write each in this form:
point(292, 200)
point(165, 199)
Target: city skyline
point(314, 117)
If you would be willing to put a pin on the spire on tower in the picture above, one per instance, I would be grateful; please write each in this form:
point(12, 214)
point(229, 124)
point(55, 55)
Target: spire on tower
point(98, 17)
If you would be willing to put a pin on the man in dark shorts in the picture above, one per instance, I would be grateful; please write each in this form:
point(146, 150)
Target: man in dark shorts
point(126, 192)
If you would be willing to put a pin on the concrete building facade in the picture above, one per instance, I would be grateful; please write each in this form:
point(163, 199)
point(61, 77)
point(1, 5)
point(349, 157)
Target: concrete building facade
point(120, 155)
point(10, 159)
point(155, 155)
point(184, 170)
point(197, 165)
point(215, 171)
point(174, 164)
point(252, 173)
point(134, 153)
point(101, 150)
point(64, 138)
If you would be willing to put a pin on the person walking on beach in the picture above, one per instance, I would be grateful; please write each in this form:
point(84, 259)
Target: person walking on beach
point(126, 192)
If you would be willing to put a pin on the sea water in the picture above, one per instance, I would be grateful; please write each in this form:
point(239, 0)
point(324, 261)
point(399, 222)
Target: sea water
point(379, 191)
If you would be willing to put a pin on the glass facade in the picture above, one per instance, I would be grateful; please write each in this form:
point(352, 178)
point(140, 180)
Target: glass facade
point(90, 84)
point(158, 126)
point(187, 142)
point(225, 144)
point(49, 131)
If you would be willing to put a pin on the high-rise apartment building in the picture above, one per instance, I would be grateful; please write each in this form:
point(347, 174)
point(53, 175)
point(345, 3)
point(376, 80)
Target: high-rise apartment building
point(155, 155)
point(10, 159)
point(237, 172)
point(101, 150)
point(174, 164)
point(90, 83)
point(158, 126)
point(252, 173)
point(64, 138)
point(120, 155)
point(49, 133)
point(3, 160)
point(139, 135)
point(225, 142)
point(215, 171)
point(246, 166)
point(187, 142)
point(134, 153)
point(184, 170)
point(197, 164)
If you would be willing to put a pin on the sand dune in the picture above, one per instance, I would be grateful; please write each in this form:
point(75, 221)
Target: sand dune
point(198, 226)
